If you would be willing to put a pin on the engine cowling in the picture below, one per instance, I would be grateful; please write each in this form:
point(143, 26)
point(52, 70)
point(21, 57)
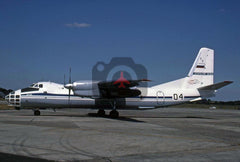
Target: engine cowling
point(85, 85)
point(85, 88)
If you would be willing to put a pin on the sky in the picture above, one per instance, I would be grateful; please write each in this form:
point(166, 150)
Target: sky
point(40, 40)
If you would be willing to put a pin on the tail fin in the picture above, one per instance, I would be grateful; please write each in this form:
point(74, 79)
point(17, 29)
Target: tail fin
point(202, 71)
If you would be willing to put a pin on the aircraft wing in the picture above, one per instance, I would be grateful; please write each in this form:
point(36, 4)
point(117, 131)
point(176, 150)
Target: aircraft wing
point(215, 86)
point(115, 83)
point(119, 89)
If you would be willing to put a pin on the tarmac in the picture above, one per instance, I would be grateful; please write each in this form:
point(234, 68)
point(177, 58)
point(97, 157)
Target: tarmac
point(167, 134)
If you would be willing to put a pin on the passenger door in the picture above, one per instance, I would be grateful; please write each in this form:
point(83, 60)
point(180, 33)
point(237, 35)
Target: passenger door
point(160, 97)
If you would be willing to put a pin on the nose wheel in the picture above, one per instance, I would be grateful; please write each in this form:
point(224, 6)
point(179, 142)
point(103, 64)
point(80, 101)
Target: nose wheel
point(37, 112)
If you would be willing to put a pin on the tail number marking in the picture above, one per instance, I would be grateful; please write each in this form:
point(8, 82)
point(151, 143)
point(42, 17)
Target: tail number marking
point(178, 96)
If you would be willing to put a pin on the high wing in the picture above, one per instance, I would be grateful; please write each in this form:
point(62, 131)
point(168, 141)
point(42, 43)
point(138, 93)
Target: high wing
point(106, 89)
point(215, 86)
point(119, 88)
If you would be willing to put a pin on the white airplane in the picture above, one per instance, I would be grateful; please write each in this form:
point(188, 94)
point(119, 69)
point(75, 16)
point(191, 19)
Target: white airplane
point(197, 85)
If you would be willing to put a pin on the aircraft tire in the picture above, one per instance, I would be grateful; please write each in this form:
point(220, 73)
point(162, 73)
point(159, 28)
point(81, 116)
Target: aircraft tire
point(37, 112)
point(101, 112)
point(114, 114)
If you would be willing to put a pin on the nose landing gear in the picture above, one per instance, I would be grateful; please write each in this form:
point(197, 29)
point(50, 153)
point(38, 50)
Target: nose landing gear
point(37, 112)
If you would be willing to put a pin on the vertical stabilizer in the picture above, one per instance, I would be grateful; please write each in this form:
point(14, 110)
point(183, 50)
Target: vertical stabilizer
point(202, 71)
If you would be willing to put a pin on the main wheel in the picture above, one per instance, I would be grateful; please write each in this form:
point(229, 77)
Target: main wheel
point(17, 108)
point(114, 114)
point(101, 112)
point(37, 112)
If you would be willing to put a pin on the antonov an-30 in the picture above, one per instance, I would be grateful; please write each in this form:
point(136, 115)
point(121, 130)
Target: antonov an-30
point(197, 85)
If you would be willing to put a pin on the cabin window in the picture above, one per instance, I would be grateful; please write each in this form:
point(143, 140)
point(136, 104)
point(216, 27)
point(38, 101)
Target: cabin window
point(40, 85)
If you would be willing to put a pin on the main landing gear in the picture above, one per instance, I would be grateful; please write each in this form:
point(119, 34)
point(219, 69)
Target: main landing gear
point(101, 112)
point(113, 114)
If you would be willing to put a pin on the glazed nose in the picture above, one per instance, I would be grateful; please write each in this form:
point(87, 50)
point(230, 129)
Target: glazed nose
point(13, 98)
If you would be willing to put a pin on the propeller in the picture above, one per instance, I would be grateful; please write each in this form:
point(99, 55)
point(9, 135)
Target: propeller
point(70, 82)
point(70, 79)
point(64, 82)
point(69, 86)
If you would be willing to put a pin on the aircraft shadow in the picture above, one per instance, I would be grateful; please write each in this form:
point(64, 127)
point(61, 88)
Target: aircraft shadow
point(122, 118)
point(127, 118)
point(95, 115)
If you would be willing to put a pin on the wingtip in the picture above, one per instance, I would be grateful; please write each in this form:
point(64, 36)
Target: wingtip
point(145, 80)
point(228, 81)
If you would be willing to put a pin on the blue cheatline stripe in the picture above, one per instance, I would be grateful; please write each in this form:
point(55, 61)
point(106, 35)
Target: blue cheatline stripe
point(65, 95)
point(199, 73)
point(162, 97)
point(45, 94)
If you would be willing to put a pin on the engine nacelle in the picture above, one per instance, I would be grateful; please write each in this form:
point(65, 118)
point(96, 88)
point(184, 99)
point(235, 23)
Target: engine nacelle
point(85, 88)
point(85, 85)
point(87, 93)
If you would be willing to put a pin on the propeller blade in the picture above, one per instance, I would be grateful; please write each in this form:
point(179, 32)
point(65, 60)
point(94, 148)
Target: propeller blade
point(70, 77)
point(69, 91)
point(64, 78)
point(69, 85)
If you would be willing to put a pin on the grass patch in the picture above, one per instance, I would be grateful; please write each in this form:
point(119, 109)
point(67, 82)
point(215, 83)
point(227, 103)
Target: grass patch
point(207, 106)
point(6, 107)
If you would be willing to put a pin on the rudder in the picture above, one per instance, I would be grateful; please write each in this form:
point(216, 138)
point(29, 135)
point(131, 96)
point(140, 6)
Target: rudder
point(202, 71)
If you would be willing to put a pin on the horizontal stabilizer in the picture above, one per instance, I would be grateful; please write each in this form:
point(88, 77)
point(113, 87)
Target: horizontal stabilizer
point(215, 86)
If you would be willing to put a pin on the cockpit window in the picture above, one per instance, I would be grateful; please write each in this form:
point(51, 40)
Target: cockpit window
point(35, 86)
point(32, 85)
point(40, 85)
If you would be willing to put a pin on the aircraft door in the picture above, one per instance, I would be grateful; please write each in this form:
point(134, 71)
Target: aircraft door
point(160, 97)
